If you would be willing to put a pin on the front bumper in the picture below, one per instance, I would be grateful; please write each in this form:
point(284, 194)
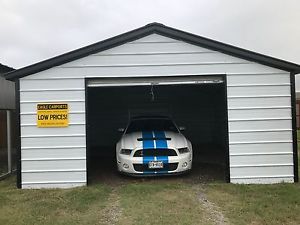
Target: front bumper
point(135, 165)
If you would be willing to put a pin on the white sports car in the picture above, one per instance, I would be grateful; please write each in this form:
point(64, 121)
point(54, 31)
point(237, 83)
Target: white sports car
point(153, 146)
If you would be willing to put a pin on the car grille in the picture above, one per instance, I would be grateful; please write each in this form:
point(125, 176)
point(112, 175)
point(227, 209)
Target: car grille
point(144, 167)
point(155, 152)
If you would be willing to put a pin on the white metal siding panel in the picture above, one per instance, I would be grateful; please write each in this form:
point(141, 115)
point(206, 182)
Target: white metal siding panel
point(260, 125)
point(260, 170)
point(154, 47)
point(126, 60)
point(258, 90)
point(32, 131)
point(151, 70)
point(57, 152)
point(53, 164)
point(260, 128)
point(258, 100)
point(246, 79)
point(279, 159)
point(65, 95)
point(51, 84)
point(66, 140)
point(54, 177)
point(259, 113)
point(261, 148)
point(258, 136)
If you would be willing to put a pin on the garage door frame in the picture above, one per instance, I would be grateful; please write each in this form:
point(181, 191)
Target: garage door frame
point(166, 80)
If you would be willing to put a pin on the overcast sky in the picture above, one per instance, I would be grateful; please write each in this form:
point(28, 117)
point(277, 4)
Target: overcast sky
point(34, 30)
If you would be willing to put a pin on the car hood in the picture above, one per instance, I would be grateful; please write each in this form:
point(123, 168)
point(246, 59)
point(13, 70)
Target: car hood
point(135, 140)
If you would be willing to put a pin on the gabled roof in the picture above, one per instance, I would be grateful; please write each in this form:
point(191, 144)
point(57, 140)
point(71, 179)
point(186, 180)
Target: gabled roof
point(5, 69)
point(145, 31)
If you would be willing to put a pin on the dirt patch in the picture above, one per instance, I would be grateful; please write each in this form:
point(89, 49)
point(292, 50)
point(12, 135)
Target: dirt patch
point(112, 212)
point(201, 173)
point(214, 213)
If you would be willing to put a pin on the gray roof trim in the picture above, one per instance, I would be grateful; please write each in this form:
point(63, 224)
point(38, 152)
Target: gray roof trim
point(150, 29)
point(5, 69)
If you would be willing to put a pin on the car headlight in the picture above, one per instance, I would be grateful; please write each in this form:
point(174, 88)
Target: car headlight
point(183, 150)
point(125, 151)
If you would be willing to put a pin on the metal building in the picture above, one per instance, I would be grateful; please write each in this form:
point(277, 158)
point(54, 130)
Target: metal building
point(297, 86)
point(7, 107)
point(242, 100)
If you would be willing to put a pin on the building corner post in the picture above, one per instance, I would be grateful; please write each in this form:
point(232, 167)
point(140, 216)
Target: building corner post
point(294, 127)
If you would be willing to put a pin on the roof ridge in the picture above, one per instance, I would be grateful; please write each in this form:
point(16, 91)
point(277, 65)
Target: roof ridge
point(145, 31)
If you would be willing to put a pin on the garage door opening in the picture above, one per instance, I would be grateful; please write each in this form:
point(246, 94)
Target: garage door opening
point(198, 104)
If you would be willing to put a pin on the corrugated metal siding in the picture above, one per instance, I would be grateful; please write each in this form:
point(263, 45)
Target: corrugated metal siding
point(259, 105)
point(7, 94)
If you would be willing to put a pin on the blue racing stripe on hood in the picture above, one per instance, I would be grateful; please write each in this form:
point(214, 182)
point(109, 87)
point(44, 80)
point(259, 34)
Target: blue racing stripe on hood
point(161, 142)
point(152, 140)
point(147, 143)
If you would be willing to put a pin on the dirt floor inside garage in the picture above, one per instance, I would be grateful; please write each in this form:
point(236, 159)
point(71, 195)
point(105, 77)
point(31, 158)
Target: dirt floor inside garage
point(105, 171)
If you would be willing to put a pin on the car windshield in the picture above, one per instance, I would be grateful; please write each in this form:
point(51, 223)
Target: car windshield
point(151, 124)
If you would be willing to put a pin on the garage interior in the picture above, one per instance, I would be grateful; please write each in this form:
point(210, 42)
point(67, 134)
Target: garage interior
point(198, 104)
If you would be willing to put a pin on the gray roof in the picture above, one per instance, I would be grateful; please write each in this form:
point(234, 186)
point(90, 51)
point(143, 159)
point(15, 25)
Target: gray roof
point(5, 69)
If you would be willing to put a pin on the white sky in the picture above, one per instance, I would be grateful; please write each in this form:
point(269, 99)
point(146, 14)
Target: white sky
point(34, 30)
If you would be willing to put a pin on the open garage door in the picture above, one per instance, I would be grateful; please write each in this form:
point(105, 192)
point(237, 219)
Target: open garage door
point(199, 103)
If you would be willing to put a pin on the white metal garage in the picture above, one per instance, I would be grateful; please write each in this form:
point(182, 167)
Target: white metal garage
point(260, 97)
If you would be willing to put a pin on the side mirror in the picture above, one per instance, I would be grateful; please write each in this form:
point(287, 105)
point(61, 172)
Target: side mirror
point(121, 130)
point(182, 128)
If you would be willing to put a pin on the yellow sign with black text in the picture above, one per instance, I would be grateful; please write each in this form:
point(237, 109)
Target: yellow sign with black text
point(52, 115)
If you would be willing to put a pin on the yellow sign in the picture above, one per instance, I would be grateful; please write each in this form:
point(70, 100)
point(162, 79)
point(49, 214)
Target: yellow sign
point(52, 115)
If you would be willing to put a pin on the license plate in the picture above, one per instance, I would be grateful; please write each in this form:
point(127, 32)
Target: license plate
point(155, 165)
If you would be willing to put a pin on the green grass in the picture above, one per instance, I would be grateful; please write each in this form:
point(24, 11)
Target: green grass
point(3, 162)
point(69, 206)
point(258, 204)
point(151, 202)
point(161, 203)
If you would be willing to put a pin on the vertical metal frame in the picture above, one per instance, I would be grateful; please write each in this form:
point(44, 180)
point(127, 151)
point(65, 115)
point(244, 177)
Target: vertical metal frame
point(9, 147)
point(87, 145)
point(18, 134)
point(294, 127)
point(227, 162)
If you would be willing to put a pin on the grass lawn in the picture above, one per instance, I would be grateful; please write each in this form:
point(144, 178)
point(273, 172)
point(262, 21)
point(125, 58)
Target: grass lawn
point(73, 206)
point(152, 202)
point(258, 204)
